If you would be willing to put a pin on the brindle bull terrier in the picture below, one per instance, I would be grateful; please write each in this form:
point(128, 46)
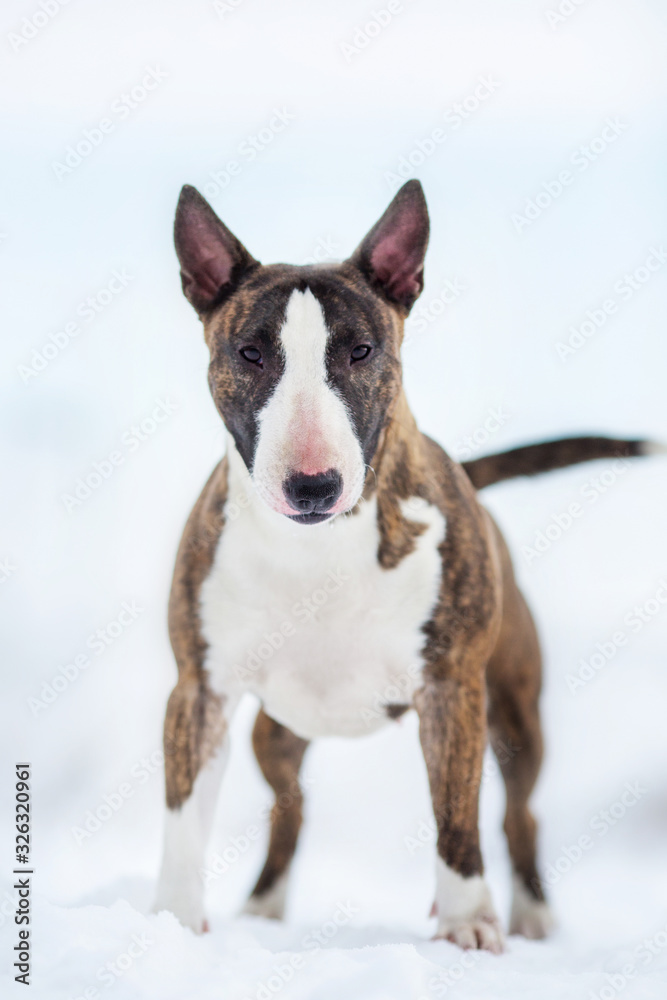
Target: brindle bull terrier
point(329, 493)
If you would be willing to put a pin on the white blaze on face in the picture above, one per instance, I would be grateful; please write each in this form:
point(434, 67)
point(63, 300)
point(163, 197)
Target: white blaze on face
point(305, 427)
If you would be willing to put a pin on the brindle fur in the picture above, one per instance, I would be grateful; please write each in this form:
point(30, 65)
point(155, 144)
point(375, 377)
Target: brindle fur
point(194, 727)
point(279, 754)
point(480, 619)
point(532, 459)
point(479, 647)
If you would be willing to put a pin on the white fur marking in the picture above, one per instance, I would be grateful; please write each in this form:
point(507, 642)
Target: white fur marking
point(465, 911)
point(457, 896)
point(530, 917)
point(186, 834)
point(307, 619)
point(270, 904)
point(305, 427)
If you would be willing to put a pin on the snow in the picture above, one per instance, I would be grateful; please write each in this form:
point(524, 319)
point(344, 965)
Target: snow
point(367, 851)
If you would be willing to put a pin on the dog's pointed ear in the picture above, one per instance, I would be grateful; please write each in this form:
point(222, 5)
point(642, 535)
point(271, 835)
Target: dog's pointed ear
point(391, 256)
point(212, 259)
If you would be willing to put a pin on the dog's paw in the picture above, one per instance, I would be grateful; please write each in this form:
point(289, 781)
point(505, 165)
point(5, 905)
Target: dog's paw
point(535, 925)
point(482, 930)
point(188, 912)
point(465, 912)
point(530, 917)
point(271, 904)
point(194, 921)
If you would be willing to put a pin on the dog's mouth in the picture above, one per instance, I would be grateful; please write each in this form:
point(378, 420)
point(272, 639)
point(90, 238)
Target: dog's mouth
point(312, 518)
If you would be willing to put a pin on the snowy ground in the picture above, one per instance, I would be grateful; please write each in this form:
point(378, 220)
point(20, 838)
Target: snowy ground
point(363, 876)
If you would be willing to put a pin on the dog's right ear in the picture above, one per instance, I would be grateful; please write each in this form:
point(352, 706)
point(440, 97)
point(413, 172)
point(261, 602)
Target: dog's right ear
point(212, 259)
point(391, 255)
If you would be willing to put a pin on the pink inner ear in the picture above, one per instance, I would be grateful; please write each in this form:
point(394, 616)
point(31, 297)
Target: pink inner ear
point(207, 259)
point(213, 271)
point(396, 259)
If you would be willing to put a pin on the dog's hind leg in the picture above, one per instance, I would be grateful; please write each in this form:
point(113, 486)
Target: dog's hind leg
point(513, 679)
point(279, 754)
point(195, 752)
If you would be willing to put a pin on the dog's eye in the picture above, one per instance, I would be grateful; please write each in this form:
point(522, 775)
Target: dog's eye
point(360, 352)
point(251, 354)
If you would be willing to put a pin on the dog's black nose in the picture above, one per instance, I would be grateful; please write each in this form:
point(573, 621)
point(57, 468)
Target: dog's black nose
point(313, 494)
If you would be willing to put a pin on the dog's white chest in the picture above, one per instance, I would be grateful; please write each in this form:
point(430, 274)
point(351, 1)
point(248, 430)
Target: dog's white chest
point(306, 618)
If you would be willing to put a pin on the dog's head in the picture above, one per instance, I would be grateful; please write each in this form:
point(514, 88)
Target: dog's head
point(305, 361)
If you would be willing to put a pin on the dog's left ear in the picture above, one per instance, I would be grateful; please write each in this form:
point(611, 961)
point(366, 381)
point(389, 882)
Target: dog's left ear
point(212, 259)
point(391, 256)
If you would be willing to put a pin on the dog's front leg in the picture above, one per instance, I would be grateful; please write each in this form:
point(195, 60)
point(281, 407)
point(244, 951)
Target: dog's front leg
point(452, 728)
point(195, 753)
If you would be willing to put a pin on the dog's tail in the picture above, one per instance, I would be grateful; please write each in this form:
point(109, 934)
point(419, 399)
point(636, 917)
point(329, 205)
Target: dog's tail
point(532, 459)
